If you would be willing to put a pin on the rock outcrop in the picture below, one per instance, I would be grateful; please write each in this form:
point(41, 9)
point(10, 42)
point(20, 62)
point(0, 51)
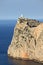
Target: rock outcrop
point(27, 41)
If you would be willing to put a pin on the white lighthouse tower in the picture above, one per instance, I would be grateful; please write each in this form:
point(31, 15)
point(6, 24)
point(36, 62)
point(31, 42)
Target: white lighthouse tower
point(22, 17)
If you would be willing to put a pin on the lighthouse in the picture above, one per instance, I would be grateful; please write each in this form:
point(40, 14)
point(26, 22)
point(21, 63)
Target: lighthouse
point(21, 17)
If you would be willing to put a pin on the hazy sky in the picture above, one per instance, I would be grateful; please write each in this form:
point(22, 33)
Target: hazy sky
point(11, 9)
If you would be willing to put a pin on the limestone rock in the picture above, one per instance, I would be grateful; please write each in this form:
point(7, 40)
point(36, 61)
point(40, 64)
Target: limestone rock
point(27, 41)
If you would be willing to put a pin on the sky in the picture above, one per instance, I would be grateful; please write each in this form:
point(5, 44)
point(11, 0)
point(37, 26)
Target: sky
point(12, 9)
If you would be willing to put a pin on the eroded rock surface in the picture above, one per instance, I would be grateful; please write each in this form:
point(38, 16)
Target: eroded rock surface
point(27, 41)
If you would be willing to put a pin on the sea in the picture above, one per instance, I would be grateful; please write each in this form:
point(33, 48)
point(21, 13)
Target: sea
point(6, 34)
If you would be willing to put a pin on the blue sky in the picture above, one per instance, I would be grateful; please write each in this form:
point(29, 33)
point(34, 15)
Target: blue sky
point(12, 9)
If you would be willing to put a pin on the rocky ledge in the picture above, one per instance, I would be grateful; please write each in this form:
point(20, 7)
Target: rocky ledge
point(27, 41)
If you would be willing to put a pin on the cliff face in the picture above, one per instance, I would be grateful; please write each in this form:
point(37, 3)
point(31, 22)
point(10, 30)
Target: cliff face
point(27, 41)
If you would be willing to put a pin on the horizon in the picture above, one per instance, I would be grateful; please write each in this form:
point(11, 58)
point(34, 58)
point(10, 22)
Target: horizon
point(15, 20)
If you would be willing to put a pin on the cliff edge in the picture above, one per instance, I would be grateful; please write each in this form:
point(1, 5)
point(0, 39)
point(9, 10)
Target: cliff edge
point(27, 41)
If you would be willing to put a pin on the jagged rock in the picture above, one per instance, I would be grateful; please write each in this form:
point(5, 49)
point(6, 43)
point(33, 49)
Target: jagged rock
point(27, 41)
point(39, 47)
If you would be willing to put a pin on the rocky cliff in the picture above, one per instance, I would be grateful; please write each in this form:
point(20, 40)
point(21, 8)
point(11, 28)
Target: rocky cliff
point(27, 41)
